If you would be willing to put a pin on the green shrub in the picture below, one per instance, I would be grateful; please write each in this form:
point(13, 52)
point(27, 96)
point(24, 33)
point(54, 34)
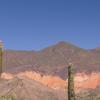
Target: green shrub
point(12, 97)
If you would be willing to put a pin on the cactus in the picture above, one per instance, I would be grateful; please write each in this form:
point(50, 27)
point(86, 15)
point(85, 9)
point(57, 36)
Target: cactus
point(1, 57)
point(71, 92)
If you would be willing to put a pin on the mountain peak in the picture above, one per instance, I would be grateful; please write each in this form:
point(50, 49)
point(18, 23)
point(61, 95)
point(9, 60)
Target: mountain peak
point(66, 44)
point(62, 42)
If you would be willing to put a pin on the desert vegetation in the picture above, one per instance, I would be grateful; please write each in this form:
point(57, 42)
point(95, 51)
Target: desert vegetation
point(11, 97)
point(1, 57)
point(88, 95)
point(71, 91)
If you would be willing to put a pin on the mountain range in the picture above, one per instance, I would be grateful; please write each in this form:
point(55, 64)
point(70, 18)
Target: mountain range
point(42, 75)
point(53, 60)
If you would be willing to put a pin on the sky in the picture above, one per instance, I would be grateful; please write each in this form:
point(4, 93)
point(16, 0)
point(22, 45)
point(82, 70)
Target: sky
point(36, 24)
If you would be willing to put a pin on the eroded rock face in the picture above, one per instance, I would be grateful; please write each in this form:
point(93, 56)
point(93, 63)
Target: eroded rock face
point(22, 88)
point(87, 80)
point(50, 81)
point(82, 80)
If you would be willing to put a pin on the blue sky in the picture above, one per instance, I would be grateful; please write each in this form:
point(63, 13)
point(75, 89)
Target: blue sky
point(35, 24)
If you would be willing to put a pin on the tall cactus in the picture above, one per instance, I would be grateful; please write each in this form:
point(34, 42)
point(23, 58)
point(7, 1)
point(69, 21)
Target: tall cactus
point(1, 57)
point(71, 92)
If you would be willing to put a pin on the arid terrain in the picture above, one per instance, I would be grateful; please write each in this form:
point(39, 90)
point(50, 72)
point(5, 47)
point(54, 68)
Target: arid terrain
point(42, 75)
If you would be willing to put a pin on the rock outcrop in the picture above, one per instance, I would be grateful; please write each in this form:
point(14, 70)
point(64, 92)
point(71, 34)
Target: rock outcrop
point(82, 80)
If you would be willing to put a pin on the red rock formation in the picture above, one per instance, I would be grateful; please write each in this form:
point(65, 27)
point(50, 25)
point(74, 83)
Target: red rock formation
point(82, 80)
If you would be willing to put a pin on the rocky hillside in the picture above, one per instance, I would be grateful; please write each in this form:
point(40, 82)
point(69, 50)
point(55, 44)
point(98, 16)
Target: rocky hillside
point(42, 75)
point(22, 88)
point(52, 60)
point(82, 80)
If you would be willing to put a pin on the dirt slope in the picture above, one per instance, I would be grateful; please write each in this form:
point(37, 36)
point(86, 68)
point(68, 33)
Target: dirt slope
point(23, 88)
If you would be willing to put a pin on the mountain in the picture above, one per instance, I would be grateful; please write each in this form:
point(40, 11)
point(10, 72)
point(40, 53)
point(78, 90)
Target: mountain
point(96, 52)
point(96, 49)
point(52, 60)
point(42, 75)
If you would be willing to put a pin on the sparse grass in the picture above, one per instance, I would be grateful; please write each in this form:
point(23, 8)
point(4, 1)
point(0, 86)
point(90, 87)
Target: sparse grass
point(11, 97)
